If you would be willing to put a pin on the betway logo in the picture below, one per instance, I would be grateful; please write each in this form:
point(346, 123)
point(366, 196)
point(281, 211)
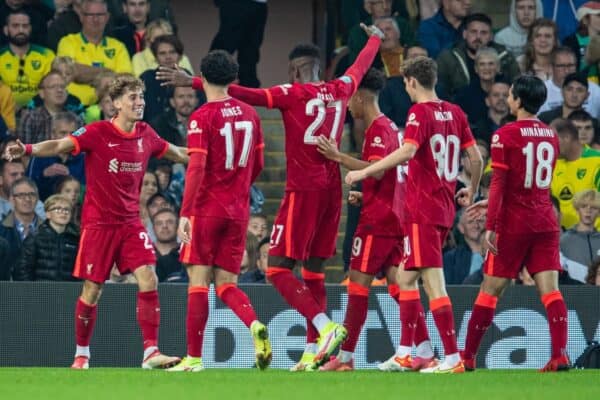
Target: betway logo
point(113, 166)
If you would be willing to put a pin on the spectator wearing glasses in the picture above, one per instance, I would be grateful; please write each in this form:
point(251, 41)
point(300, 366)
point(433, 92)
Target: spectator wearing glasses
point(24, 64)
point(564, 63)
point(92, 51)
point(11, 171)
point(22, 220)
point(49, 253)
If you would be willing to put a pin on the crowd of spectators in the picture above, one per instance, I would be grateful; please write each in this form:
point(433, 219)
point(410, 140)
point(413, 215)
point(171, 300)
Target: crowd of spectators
point(58, 59)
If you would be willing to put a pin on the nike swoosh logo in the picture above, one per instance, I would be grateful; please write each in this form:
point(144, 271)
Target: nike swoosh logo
point(113, 144)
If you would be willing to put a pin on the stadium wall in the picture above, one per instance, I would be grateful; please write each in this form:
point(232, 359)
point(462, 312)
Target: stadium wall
point(36, 326)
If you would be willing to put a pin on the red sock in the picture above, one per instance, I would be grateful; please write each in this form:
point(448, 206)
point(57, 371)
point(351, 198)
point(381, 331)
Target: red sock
point(409, 314)
point(85, 319)
point(356, 314)
point(556, 311)
point(294, 292)
point(421, 333)
point(394, 292)
point(238, 302)
point(315, 282)
point(148, 316)
point(481, 319)
point(197, 315)
point(444, 320)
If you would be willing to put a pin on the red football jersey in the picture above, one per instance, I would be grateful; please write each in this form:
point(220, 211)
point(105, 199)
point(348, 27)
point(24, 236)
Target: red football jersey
point(440, 131)
point(527, 150)
point(310, 110)
point(115, 163)
point(383, 199)
point(229, 133)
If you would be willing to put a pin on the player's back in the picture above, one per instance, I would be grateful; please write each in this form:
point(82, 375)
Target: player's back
point(527, 149)
point(440, 131)
point(310, 110)
point(383, 199)
point(230, 133)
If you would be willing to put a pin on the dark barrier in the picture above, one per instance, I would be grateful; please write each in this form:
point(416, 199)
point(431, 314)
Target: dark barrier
point(36, 326)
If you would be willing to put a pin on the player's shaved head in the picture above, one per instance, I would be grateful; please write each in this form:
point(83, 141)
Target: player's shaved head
point(373, 81)
point(219, 68)
point(305, 50)
point(304, 65)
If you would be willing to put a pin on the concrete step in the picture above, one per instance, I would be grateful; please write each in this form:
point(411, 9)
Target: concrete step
point(273, 174)
point(274, 159)
point(271, 190)
point(268, 113)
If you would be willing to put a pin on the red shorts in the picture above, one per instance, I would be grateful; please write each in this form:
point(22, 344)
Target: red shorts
point(307, 224)
point(127, 246)
point(374, 254)
point(216, 242)
point(423, 246)
point(537, 251)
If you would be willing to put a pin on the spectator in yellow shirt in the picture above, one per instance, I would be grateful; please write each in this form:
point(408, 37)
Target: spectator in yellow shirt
point(7, 107)
point(92, 51)
point(23, 64)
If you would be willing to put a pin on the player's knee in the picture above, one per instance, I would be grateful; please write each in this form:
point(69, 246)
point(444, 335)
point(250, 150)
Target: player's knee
point(91, 292)
point(147, 279)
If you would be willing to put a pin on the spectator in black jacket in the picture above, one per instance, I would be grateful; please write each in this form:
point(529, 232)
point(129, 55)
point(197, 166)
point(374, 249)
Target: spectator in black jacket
point(257, 275)
point(4, 266)
point(168, 266)
point(172, 125)
point(49, 254)
point(132, 29)
point(466, 258)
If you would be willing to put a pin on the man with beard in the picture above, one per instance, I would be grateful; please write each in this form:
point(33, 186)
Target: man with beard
point(457, 64)
point(39, 13)
point(23, 64)
point(497, 109)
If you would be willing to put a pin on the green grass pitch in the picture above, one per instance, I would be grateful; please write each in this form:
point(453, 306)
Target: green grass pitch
point(221, 384)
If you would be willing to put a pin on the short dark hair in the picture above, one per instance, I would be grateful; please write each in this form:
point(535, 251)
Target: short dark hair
point(169, 39)
point(305, 50)
point(423, 69)
point(576, 77)
point(593, 272)
point(156, 196)
point(477, 17)
point(219, 68)
point(564, 127)
point(4, 163)
point(373, 81)
point(531, 91)
point(561, 50)
point(122, 83)
point(16, 12)
point(580, 115)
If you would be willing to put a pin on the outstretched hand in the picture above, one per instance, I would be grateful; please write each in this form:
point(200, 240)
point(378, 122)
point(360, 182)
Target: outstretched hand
point(372, 30)
point(464, 197)
point(478, 210)
point(14, 151)
point(175, 76)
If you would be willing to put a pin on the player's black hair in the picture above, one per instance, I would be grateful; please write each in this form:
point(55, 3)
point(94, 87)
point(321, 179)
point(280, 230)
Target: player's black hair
point(305, 50)
point(531, 91)
point(219, 68)
point(478, 17)
point(373, 81)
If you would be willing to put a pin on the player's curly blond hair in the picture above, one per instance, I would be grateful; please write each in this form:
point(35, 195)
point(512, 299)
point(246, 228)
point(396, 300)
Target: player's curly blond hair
point(123, 83)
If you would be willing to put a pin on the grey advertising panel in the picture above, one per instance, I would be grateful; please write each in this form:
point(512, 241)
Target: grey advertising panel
point(36, 326)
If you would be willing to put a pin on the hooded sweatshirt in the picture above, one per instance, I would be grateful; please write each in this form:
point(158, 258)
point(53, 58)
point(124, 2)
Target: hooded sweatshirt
point(579, 247)
point(514, 36)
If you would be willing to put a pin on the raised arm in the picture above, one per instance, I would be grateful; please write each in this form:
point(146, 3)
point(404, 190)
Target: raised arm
point(366, 56)
point(47, 148)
